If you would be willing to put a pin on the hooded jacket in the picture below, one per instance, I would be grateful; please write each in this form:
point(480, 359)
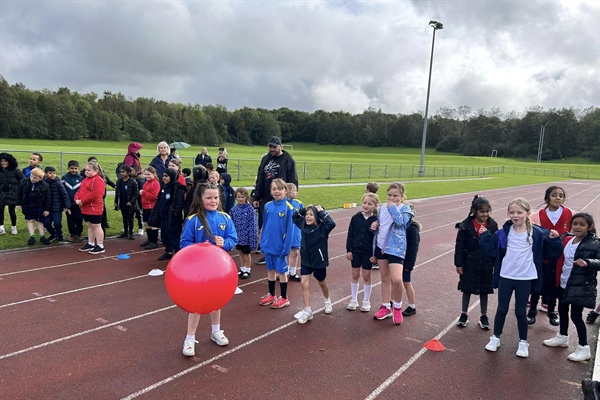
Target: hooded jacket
point(58, 194)
point(228, 193)
point(43, 192)
point(581, 285)
point(170, 203)
point(314, 248)
point(395, 237)
point(360, 235)
point(9, 180)
point(91, 193)
point(132, 158)
point(283, 167)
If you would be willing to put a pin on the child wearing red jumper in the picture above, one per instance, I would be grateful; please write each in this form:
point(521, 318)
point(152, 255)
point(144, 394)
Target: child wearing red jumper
point(89, 199)
point(149, 194)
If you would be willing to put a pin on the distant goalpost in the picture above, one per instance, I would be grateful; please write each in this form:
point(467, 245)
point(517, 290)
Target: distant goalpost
point(291, 146)
point(494, 153)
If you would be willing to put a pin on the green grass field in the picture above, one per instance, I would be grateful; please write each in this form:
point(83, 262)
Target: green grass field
point(314, 164)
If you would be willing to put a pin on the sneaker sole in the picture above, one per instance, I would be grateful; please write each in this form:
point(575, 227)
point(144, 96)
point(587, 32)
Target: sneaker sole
point(365, 309)
point(281, 306)
point(461, 324)
point(492, 350)
point(484, 327)
point(219, 343)
point(348, 307)
point(390, 315)
point(97, 252)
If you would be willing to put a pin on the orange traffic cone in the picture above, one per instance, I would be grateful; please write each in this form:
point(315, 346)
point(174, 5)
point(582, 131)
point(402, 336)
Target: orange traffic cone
point(434, 345)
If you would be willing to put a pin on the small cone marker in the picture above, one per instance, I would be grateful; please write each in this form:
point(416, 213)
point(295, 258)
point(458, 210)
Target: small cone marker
point(434, 345)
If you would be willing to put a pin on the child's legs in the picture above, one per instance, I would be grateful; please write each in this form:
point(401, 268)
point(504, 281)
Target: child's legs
point(483, 303)
point(408, 287)
point(41, 228)
point(320, 275)
point(192, 325)
point(522, 290)
point(396, 280)
point(246, 260)
point(124, 212)
point(138, 216)
point(304, 280)
point(57, 217)
point(97, 233)
point(48, 222)
point(77, 219)
point(577, 318)
point(386, 287)
point(505, 289)
point(13, 215)
point(563, 313)
point(215, 317)
point(2, 214)
point(294, 258)
point(466, 298)
point(31, 226)
point(366, 273)
point(130, 221)
point(355, 275)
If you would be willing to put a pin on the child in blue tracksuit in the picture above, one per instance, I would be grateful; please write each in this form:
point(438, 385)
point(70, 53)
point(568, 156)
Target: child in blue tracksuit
point(315, 224)
point(294, 257)
point(207, 223)
point(276, 242)
point(519, 250)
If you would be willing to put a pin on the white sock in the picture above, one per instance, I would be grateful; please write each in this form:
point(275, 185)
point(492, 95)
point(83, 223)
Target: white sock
point(91, 243)
point(397, 304)
point(412, 305)
point(193, 337)
point(354, 290)
point(367, 295)
point(215, 328)
point(308, 310)
point(292, 271)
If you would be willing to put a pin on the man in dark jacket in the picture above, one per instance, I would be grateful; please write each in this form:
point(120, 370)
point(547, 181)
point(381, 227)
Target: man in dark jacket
point(277, 163)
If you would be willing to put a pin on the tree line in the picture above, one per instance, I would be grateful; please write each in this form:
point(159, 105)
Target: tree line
point(66, 115)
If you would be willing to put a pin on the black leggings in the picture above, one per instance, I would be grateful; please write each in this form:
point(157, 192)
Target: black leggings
point(483, 302)
point(576, 317)
point(506, 287)
point(11, 212)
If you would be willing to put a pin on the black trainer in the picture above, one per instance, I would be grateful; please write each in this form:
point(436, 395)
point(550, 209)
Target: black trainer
point(123, 235)
point(484, 323)
point(97, 250)
point(408, 311)
point(166, 256)
point(295, 278)
point(553, 317)
point(463, 320)
point(531, 316)
point(31, 240)
point(87, 247)
point(592, 317)
point(146, 243)
point(260, 261)
point(151, 246)
point(45, 240)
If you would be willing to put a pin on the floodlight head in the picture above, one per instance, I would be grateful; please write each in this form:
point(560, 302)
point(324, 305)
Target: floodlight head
point(436, 25)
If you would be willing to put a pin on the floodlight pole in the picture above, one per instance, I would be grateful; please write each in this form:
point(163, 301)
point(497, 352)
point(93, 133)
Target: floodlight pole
point(435, 25)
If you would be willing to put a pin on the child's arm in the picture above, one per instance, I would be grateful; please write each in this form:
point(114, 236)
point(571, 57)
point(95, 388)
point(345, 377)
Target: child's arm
point(553, 246)
point(593, 263)
point(188, 235)
point(459, 250)
point(349, 238)
point(413, 238)
point(287, 244)
point(401, 214)
point(328, 223)
point(230, 238)
point(117, 188)
point(298, 218)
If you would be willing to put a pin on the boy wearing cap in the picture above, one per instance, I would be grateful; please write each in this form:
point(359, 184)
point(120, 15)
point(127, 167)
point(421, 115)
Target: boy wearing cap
point(59, 202)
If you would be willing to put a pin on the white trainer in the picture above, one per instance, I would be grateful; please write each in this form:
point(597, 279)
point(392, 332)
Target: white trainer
point(219, 338)
point(304, 316)
point(13, 230)
point(557, 341)
point(2, 232)
point(523, 350)
point(328, 307)
point(353, 305)
point(189, 347)
point(581, 354)
point(140, 232)
point(493, 344)
point(366, 306)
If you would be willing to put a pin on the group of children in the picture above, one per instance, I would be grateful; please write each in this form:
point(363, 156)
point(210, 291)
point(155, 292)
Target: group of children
point(552, 253)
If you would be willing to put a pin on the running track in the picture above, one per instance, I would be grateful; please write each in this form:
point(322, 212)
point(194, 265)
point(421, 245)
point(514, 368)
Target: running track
point(76, 326)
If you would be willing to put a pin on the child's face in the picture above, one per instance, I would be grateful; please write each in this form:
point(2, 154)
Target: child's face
point(4, 163)
point(394, 195)
point(124, 174)
point(482, 215)
point(241, 199)
point(89, 172)
point(213, 178)
point(34, 178)
point(34, 160)
point(174, 166)
point(148, 175)
point(73, 170)
point(517, 214)
point(293, 194)
point(278, 193)
point(557, 198)
point(51, 175)
point(580, 227)
point(210, 199)
point(310, 217)
point(368, 206)
point(166, 179)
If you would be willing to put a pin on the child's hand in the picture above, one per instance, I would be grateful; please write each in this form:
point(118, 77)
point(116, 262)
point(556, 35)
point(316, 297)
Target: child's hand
point(19, 208)
point(141, 191)
point(459, 270)
point(46, 213)
point(482, 229)
point(374, 225)
point(318, 208)
point(68, 211)
point(580, 262)
point(553, 234)
point(373, 259)
point(349, 256)
point(78, 202)
point(219, 241)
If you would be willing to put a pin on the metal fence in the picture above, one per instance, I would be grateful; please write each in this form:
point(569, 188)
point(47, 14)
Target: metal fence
point(244, 170)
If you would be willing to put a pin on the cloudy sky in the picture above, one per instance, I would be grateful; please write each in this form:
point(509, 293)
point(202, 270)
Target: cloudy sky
point(309, 55)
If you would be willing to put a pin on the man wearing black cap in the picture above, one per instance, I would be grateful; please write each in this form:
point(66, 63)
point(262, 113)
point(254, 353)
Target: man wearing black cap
point(277, 163)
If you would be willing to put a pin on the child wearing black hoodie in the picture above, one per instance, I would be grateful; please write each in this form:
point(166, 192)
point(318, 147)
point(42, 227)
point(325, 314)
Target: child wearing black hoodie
point(60, 201)
point(315, 224)
point(228, 192)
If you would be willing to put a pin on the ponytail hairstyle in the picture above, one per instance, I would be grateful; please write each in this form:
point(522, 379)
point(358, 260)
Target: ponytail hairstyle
point(549, 192)
point(479, 202)
point(524, 204)
point(197, 207)
point(152, 170)
point(374, 198)
point(588, 218)
point(416, 223)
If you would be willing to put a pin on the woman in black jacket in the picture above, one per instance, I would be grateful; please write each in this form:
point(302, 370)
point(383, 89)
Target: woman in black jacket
point(474, 268)
point(576, 283)
point(10, 177)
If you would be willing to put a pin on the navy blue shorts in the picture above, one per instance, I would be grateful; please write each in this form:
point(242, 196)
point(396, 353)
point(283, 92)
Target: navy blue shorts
point(319, 273)
point(391, 259)
point(243, 248)
point(361, 260)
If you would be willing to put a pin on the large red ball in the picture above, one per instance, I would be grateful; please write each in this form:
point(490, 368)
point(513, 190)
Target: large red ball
point(201, 278)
